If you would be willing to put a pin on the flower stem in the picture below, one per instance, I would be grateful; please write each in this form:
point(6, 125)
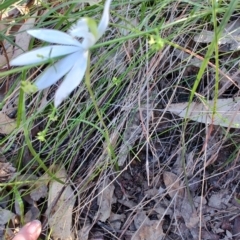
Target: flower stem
point(22, 118)
point(110, 149)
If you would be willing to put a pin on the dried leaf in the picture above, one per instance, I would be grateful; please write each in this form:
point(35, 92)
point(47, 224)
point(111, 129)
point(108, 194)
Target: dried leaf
point(31, 214)
point(189, 214)
point(116, 220)
point(7, 171)
point(227, 112)
point(83, 234)
point(40, 188)
point(173, 184)
point(23, 38)
point(230, 36)
point(5, 216)
point(147, 229)
point(60, 219)
point(7, 125)
point(219, 200)
point(105, 200)
point(39, 192)
point(150, 232)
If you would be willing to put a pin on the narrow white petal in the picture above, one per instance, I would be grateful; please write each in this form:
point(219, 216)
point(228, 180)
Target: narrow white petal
point(81, 30)
point(52, 74)
point(42, 54)
point(103, 24)
point(54, 36)
point(88, 41)
point(72, 79)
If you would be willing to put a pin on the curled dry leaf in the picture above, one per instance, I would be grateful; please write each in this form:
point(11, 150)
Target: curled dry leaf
point(173, 184)
point(226, 111)
point(105, 200)
point(60, 219)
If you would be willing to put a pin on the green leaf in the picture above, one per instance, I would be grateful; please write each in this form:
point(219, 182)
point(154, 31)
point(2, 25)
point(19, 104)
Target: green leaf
point(7, 3)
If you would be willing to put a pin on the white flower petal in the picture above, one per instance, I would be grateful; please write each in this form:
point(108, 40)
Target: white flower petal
point(81, 30)
point(52, 74)
point(103, 24)
point(42, 54)
point(88, 41)
point(54, 36)
point(72, 79)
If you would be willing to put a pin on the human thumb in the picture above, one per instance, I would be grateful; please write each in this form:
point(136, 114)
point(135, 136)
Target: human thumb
point(30, 231)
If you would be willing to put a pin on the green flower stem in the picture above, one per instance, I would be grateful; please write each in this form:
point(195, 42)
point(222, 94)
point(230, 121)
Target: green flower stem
point(106, 133)
point(27, 139)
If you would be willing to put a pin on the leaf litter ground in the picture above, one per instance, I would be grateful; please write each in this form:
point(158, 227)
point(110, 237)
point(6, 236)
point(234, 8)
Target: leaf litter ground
point(178, 178)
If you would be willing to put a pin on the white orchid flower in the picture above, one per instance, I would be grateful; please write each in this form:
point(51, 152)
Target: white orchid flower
point(75, 54)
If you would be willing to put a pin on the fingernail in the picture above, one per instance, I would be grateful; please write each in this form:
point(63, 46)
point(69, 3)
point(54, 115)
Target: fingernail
point(34, 226)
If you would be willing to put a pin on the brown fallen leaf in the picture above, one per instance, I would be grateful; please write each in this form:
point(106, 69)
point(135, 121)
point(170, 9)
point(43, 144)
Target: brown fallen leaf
point(105, 200)
point(116, 220)
point(60, 219)
point(173, 184)
point(153, 231)
point(7, 171)
point(219, 200)
point(147, 229)
point(229, 36)
point(7, 125)
point(32, 214)
point(225, 112)
point(190, 216)
point(40, 189)
point(83, 234)
point(5, 216)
